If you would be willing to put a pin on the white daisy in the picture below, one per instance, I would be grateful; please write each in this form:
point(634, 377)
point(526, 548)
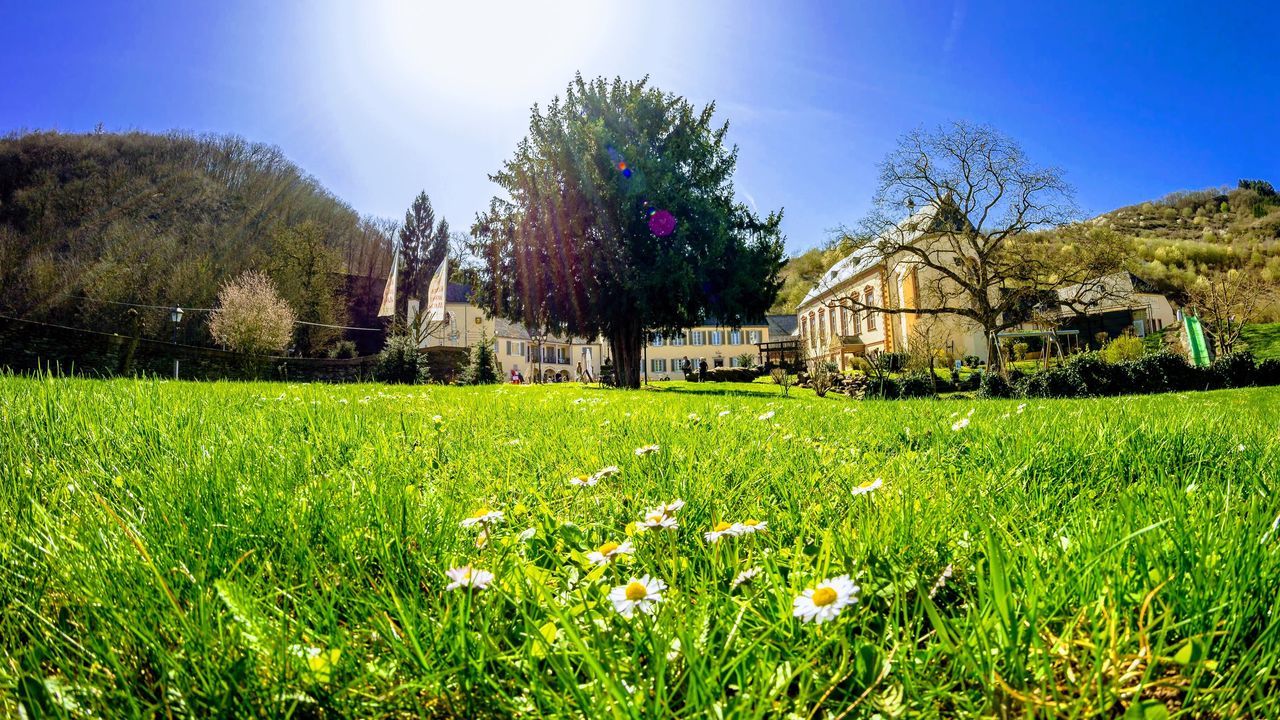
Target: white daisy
point(723, 413)
point(694, 417)
point(960, 424)
point(583, 480)
point(766, 416)
point(641, 594)
point(748, 526)
point(942, 581)
point(606, 472)
point(483, 517)
point(610, 552)
point(528, 534)
point(720, 530)
point(647, 450)
point(1021, 408)
point(437, 419)
point(867, 487)
point(824, 601)
point(746, 576)
point(468, 577)
point(662, 517)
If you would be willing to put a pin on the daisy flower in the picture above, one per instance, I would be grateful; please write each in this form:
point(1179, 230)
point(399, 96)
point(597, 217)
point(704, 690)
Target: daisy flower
point(766, 416)
point(746, 576)
point(606, 472)
point(1021, 408)
point(749, 526)
point(662, 517)
point(583, 480)
point(720, 530)
point(695, 417)
point(723, 413)
point(869, 486)
point(960, 424)
point(942, 581)
point(825, 601)
point(610, 552)
point(647, 450)
point(641, 594)
point(483, 517)
point(468, 577)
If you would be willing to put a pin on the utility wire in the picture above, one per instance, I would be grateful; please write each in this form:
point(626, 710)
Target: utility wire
point(191, 309)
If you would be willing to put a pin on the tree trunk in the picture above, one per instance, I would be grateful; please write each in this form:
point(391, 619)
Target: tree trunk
point(626, 344)
point(993, 353)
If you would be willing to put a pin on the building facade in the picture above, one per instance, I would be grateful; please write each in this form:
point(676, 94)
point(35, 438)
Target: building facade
point(831, 331)
point(720, 346)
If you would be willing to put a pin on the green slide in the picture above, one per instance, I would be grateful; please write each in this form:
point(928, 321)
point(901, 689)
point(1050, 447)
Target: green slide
point(1195, 339)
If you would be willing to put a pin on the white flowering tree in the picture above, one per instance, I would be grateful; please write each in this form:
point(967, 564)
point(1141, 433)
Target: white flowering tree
point(251, 317)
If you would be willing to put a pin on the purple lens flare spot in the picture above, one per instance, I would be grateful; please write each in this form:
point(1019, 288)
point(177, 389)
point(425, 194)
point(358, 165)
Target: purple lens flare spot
point(662, 223)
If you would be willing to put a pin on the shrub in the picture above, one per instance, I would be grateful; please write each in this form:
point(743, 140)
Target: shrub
point(747, 360)
point(250, 317)
point(343, 349)
point(1058, 382)
point(732, 374)
point(401, 362)
point(1268, 372)
point(994, 385)
point(1020, 350)
point(894, 361)
point(914, 385)
point(482, 369)
point(1125, 347)
point(1235, 370)
point(885, 387)
point(972, 361)
point(1099, 376)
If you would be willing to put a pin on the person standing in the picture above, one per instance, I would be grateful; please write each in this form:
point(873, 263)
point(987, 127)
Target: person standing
point(686, 367)
point(702, 369)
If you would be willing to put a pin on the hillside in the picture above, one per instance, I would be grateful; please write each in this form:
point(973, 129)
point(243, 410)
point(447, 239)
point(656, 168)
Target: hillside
point(1174, 239)
point(163, 219)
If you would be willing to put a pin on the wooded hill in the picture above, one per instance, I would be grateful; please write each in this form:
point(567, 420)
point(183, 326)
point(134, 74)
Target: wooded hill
point(1174, 239)
point(164, 219)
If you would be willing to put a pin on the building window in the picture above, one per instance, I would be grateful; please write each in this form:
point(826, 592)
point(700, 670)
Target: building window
point(698, 337)
point(657, 340)
point(832, 321)
point(855, 321)
point(822, 326)
point(717, 337)
point(870, 299)
point(804, 327)
point(508, 347)
point(753, 337)
point(657, 365)
point(678, 340)
point(735, 337)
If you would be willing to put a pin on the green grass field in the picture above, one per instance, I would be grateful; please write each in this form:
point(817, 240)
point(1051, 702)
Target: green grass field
point(1263, 340)
point(174, 549)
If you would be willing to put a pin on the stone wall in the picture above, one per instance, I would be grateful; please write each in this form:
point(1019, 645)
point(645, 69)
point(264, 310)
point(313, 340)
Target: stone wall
point(26, 347)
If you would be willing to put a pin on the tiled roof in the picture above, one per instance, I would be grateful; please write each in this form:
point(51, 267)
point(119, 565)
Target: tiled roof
point(781, 325)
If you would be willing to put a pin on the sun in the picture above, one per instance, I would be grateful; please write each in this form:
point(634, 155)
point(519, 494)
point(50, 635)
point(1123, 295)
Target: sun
point(470, 51)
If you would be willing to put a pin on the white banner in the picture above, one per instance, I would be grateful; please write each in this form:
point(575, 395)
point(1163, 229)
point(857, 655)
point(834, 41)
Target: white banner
point(437, 293)
point(388, 306)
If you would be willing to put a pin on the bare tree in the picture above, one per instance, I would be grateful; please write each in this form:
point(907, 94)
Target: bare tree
point(975, 212)
point(1228, 300)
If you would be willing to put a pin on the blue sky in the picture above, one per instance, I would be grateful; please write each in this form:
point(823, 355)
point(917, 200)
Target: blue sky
point(379, 100)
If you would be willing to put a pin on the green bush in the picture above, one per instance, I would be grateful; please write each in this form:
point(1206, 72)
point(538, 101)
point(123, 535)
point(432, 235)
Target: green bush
point(994, 385)
point(1057, 382)
point(1268, 372)
point(972, 361)
point(1020, 350)
point(1125, 347)
point(916, 384)
point(894, 361)
point(886, 388)
point(343, 349)
point(482, 369)
point(401, 362)
point(1235, 370)
point(733, 374)
point(1099, 376)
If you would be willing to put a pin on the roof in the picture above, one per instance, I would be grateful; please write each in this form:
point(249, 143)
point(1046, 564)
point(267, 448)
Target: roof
point(457, 293)
point(511, 330)
point(866, 257)
point(781, 325)
point(1116, 288)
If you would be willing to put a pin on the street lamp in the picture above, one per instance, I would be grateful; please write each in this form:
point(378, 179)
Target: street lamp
point(175, 316)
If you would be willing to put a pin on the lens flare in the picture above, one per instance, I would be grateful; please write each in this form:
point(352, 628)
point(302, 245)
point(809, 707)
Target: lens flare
point(662, 223)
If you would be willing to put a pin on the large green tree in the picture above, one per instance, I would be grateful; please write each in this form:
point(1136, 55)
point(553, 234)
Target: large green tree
point(619, 219)
point(424, 244)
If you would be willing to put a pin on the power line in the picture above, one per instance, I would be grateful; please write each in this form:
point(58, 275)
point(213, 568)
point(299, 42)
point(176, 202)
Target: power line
point(191, 309)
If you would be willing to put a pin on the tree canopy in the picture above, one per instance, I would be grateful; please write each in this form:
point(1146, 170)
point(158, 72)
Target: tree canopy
point(619, 218)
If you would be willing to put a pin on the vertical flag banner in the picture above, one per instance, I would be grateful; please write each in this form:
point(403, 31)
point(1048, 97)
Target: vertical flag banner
point(436, 293)
point(388, 306)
